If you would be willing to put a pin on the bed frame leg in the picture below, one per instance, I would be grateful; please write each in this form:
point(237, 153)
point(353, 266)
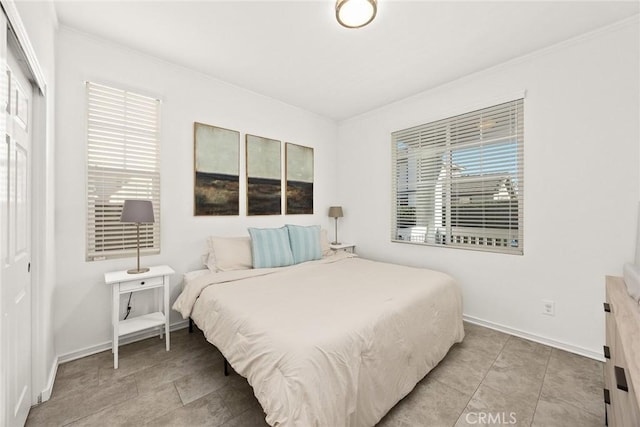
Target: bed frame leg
point(226, 368)
point(190, 325)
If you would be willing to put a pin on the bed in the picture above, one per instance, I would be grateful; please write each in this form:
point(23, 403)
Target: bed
point(333, 342)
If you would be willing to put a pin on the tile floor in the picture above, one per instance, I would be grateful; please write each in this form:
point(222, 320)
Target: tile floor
point(490, 377)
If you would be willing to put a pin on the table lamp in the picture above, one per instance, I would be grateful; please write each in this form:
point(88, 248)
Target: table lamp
point(138, 211)
point(336, 212)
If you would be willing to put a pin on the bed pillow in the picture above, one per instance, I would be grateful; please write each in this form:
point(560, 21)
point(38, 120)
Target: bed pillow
point(229, 253)
point(270, 247)
point(305, 242)
point(210, 262)
point(204, 258)
point(324, 243)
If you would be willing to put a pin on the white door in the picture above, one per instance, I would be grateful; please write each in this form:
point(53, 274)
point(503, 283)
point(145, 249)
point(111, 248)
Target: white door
point(15, 196)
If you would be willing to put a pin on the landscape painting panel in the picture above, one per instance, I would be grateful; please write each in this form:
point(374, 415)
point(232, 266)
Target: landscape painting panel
point(264, 175)
point(217, 165)
point(299, 179)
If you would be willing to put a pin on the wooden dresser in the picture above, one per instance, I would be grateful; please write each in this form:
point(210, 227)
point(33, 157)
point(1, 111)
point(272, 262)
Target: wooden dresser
point(622, 354)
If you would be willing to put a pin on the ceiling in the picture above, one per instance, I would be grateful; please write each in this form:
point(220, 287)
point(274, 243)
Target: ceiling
point(296, 52)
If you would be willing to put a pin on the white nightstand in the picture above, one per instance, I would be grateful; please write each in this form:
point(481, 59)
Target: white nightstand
point(347, 247)
point(122, 283)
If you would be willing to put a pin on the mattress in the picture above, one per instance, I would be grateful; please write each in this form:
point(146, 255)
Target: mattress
point(334, 342)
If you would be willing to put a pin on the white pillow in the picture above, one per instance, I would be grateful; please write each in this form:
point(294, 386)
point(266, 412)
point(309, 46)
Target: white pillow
point(190, 275)
point(324, 243)
point(229, 253)
point(204, 259)
point(210, 262)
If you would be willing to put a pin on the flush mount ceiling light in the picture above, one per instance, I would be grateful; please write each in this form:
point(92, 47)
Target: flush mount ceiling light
point(355, 13)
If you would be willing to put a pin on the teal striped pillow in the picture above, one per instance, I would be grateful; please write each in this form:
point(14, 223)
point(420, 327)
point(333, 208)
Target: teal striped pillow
point(305, 242)
point(270, 247)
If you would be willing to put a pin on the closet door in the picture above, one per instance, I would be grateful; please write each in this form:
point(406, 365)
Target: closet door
point(15, 254)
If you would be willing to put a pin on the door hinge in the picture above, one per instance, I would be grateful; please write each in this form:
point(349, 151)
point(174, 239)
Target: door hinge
point(29, 268)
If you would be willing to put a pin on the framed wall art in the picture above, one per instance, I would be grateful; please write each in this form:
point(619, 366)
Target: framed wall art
point(217, 170)
point(264, 176)
point(299, 173)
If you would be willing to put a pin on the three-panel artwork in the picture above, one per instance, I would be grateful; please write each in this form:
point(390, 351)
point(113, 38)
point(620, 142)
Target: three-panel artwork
point(217, 174)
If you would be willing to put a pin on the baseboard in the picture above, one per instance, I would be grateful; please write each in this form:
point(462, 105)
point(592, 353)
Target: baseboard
point(536, 338)
point(138, 336)
point(88, 351)
point(46, 393)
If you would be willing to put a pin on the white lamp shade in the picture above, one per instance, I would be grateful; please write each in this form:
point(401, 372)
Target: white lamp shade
point(137, 211)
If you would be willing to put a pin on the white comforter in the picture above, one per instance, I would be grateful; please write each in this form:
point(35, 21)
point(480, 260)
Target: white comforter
point(335, 342)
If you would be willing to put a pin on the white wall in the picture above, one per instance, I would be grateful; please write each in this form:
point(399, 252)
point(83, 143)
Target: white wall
point(41, 24)
point(82, 301)
point(581, 185)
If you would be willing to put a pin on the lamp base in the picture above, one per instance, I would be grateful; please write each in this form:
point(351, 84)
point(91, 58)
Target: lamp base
point(336, 243)
point(137, 270)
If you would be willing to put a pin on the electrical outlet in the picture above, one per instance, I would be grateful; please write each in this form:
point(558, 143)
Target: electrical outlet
point(548, 307)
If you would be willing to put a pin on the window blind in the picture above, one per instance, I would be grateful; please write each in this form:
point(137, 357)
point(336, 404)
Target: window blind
point(123, 162)
point(458, 182)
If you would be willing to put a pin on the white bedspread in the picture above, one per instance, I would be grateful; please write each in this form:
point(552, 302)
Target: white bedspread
point(335, 342)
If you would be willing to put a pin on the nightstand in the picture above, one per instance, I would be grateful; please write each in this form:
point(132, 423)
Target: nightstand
point(346, 247)
point(157, 279)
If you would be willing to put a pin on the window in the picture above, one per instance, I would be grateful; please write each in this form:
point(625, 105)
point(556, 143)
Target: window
point(123, 162)
point(458, 182)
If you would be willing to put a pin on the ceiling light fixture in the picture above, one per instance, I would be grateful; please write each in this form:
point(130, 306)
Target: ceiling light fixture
point(355, 13)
